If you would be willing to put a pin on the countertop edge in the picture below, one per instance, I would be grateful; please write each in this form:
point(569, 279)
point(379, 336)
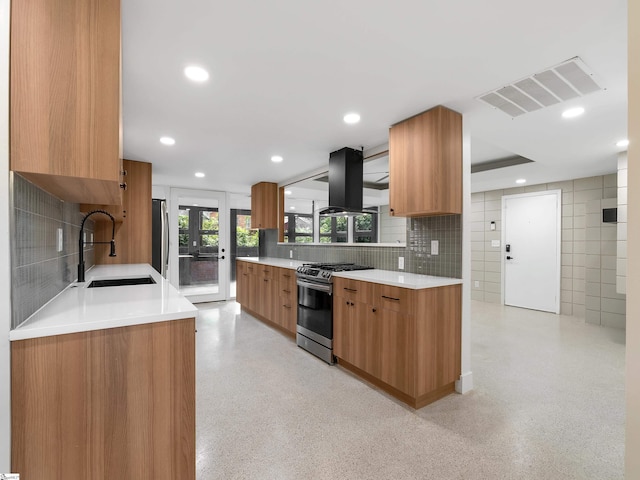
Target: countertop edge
point(52, 331)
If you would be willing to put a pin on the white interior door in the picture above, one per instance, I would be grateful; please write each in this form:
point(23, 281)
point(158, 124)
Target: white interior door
point(531, 250)
point(199, 257)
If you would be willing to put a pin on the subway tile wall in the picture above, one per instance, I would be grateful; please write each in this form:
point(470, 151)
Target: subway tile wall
point(38, 271)
point(417, 254)
point(586, 248)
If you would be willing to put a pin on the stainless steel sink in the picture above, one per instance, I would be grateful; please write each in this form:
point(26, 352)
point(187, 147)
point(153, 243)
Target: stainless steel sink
point(120, 282)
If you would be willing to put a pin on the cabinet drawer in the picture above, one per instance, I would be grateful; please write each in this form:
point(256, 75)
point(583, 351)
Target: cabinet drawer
point(392, 298)
point(352, 289)
point(265, 271)
point(286, 275)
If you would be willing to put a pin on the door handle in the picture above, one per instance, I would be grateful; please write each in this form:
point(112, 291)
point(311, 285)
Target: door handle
point(509, 257)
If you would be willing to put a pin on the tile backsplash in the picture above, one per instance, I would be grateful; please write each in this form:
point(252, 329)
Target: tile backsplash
point(418, 258)
point(38, 271)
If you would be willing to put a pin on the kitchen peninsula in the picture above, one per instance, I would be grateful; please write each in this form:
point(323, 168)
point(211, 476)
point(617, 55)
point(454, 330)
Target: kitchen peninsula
point(103, 382)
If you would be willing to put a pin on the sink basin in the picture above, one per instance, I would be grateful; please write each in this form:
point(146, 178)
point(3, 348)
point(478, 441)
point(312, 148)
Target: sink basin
point(120, 282)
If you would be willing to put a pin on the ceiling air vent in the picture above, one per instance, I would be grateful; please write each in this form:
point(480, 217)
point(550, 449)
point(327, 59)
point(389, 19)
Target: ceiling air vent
point(570, 79)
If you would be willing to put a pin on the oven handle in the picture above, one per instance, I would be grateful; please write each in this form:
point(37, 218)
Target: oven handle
point(314, 286)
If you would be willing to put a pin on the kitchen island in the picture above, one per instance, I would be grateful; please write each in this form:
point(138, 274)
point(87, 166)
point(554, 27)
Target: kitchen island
point(399, 331)
point(103, 382)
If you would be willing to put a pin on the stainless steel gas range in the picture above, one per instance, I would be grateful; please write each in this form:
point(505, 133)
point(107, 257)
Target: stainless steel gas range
point(314, 331)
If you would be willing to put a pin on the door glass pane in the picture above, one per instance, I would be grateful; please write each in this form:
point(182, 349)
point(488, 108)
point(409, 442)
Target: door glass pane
point(198, 256)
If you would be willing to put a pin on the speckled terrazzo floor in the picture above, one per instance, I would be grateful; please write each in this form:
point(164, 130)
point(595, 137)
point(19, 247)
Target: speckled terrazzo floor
point(548, 403)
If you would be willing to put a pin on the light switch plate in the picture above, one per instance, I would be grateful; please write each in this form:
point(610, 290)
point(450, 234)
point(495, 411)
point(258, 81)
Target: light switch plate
point(435, 245)
point(476, 284)
point(60, 240)
point(401, 263)
point(495, 243)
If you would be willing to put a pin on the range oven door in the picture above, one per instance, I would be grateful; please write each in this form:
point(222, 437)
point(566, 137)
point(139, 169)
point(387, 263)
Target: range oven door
point(315, 309)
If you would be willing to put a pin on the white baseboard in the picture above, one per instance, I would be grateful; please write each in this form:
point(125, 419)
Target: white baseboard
point(465, 383)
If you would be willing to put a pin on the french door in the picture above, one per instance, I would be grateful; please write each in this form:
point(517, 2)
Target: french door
point(199, 261)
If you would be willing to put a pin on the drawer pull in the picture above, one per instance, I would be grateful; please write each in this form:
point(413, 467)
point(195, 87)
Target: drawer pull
point(286, 306)
point(266, 271)
point(266, 279)
point(286, 291)
point(391, 298)
point(286, 276)
point(374, 310)
point(350, 289)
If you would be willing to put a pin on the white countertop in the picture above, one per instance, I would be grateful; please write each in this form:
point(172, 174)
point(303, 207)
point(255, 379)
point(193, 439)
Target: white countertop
point(399, 279)
point(384, 277)
point(274, 262)
point(82, 309)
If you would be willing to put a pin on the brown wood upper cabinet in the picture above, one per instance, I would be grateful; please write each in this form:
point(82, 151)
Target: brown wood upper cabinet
point(425, 164)
point(133, 230)
point(65, 97)
point(264, 205)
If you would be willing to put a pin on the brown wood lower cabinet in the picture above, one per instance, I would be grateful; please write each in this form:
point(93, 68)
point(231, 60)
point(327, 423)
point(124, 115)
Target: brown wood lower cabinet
point(268, 293)
point(405, 341)
point(115, 403)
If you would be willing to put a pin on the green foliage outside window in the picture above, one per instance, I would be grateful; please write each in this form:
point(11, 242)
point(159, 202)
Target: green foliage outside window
point(246, 237)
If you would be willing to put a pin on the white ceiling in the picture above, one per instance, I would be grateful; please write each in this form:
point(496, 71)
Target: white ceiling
point(284, 72)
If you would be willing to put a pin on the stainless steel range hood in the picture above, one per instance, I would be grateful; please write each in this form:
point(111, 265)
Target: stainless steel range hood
point(345, 183)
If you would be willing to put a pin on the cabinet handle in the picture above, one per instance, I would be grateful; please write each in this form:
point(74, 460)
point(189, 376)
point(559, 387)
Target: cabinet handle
point(266, 271)
point(352, 304)
point(286, 306)
point(286, 291)
point(286, 276)
point(391, 298)
point(350, 289)
point(347, 303)
point(266, 279)
point(123, 173)
point(374, 310)
point(123, 185)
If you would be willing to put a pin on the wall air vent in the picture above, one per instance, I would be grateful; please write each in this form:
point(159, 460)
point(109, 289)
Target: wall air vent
point(570, 79)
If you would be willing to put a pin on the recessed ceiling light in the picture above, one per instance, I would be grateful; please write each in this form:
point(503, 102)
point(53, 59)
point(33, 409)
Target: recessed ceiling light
point(521, 180)
point(623, 143)
point(199, 174)
point(287, 192)
point(573, 112)
point(167, 141)
point(351, 118)
point(292, 208)
point(276, 159)
point(197, 74)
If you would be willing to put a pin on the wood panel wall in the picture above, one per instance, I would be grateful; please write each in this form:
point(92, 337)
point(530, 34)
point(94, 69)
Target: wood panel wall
point(107, 404)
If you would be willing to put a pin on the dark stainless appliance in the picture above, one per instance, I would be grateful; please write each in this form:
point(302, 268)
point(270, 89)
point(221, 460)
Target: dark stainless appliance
point(314, 331)
point(160, 236)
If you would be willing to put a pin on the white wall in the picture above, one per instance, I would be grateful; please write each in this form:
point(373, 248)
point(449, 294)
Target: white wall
point(392, 229)
point(5, 263)
point(632, 387)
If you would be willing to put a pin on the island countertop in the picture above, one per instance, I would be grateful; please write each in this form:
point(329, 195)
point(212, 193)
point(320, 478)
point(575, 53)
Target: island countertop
point(82, 309)
point(385, 277)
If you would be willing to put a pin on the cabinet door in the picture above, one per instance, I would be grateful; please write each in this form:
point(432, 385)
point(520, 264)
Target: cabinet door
point(65, 97)
point(288, 299)
point(350, 331)
point(264, 205)
point(425, 164)
point(397, 350)
point(133, 233)
point(241, 283)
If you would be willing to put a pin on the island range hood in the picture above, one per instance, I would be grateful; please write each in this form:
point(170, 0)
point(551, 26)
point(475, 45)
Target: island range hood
point(345, 183)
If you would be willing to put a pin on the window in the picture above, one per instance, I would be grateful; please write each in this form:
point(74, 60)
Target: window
point(366, 228)
point(334, 229)
point(298, 228)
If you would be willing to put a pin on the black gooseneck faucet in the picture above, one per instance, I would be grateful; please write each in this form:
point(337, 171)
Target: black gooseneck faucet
point(82, 243)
